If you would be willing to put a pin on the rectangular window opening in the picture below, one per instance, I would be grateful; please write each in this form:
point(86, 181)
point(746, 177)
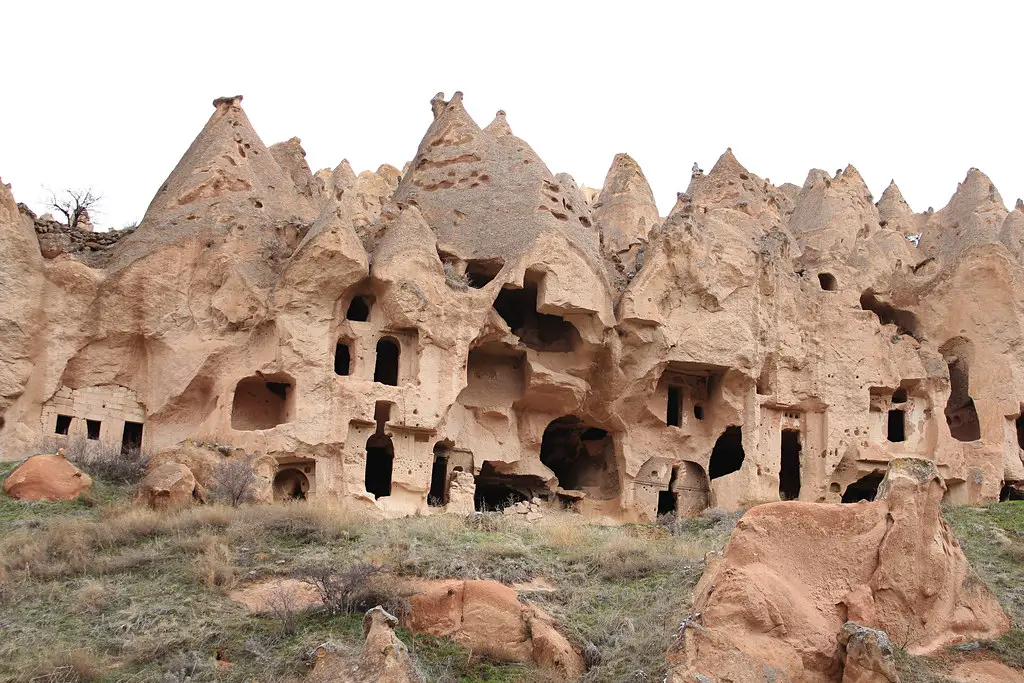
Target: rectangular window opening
point(897, 426)
point(92, 428)
point(674, 416)
point(63, 425)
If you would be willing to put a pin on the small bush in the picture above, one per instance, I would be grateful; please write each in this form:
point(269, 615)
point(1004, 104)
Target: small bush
point(105, 460)
point(454, 279)
point(214, 565)
point(353, 590)
point(235, 481)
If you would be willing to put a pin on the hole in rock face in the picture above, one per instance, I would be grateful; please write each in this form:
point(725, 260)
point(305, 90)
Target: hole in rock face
point(480, 272)
point(359, 309)
point(896, 429)
point(538, 331)
point(905, 321)
point(92, 429)
point(262, 402)
point(698, 411)
point(342, 359)
point(290, 484)
point(789, 474)
point(582, 457)
point(497, 490)
point(380, 457)
point(961, 415)
point(1020, 431)
point(865, 488)
point(131, 437)
point(727, 455)
point(1011, 491)
point(63, 424)
point(674, 416)
point(899, 396)
point(828, 282)
point(438, 495)
point(667, 498)
point(386, 369)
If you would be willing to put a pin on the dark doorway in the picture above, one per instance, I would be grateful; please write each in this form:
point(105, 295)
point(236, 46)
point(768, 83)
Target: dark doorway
point(496, 490)
point(674, 417)
point(828, 282)
point(260, 402)
point(698, 411)
point(92, 429)
point(1020, 431)
point(1012, 490)
point(386, 369)
point(359, 309)
point(380, 457)
point(63, 424)
point(865, 488)
point(342, 359)
point(131, 437)
point(727, 455)
point(897, 426)
point(438, 495)
point(789, 474)
point(582, 457)
point(905, 321)
point(667, 499)
point(480, 272)
point(290, 484)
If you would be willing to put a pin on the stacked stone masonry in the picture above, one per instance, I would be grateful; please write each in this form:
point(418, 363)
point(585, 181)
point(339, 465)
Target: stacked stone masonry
point(475, 331)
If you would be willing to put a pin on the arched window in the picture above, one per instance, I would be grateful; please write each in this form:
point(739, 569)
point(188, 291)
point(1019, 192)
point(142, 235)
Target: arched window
point(359, 309)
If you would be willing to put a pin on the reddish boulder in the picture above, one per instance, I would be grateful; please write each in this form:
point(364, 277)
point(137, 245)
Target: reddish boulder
point(46, 477)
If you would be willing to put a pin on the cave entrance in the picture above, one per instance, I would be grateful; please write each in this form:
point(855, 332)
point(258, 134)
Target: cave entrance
point(538, 331)
point(828, 282)
point(674, 414)
point(1020, 430)
point(261, 402)
point(692, 495)
point(727, 455)
point(961, 415)
point(438, 495)
point(667, 498)
point(131, 438)
point(497, 490)
point(359, 309)
point(896, 431)
point(789, 473)
point(290, 484)
point(480, 272)
point(380, 458)
point(386, 369)
point(582, 457)
point(342, 358)
point(865, 488)
point(887, 314)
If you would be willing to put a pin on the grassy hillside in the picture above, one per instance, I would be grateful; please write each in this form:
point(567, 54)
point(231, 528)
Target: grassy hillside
point(98, 590)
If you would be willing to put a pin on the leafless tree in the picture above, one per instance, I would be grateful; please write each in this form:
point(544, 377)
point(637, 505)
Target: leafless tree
point(76, 204)
point(235, 481)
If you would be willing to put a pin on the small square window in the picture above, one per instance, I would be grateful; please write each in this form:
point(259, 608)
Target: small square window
point(92, 428)
point(63, 425)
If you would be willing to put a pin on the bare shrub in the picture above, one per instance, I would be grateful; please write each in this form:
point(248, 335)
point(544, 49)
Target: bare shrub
point(355, 589)
point(284, 604)
point(454, 279)
point(105, 460)
point(91, 597)
point(75, 666)
point(75, 206)
point(235, 481)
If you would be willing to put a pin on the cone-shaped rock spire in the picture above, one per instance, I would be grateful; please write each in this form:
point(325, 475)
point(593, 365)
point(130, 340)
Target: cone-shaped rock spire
point(625, 211)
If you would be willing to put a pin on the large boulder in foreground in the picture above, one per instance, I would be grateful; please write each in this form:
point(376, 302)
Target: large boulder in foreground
point(793, 573)
point(487, 617)
point(169, 485)
point(46, 477)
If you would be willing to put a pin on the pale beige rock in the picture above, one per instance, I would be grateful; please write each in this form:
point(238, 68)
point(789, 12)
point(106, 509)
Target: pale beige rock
point(46, 477)
point(793, 573)
point(168, 485)
point(383, 658)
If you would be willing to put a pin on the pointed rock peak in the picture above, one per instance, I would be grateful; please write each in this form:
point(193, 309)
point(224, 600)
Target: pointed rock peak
point(499, 126)
point(226, 102)
point(892, 201)
point(437, 104)
point(1020, 205)
point(440, 106)
point(625, 175)
point(343, 174)
point(390, 174)
point(406, 232)
point(851, 173)
point(815, 176)
point(728, 166)
point(976, 189)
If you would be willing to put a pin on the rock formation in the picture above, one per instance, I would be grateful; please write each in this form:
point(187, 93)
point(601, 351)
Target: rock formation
point(479, 319)
point(383, 659)
point(794, 574)
point(46, 477)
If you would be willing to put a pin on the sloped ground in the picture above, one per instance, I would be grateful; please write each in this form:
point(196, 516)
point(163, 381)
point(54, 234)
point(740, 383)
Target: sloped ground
point(101, 591)
point(98, 590)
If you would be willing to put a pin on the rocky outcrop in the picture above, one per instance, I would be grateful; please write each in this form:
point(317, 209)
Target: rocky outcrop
point(867, 655)
point(383, 659)
point(488, 618)
point(793, 574)
point(170, 484)
point(46, 477)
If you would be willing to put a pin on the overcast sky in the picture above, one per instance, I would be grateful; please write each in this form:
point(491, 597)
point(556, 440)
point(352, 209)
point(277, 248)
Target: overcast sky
point(111, 97)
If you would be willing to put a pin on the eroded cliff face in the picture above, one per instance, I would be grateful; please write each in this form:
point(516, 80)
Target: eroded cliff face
point(375, 334)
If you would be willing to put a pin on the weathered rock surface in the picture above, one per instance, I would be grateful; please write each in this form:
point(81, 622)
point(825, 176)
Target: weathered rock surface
point(868, 655)
point(488, 618)
point(793, 573)
point(369, 335)
point(46, 477)
point(168, 485)
point(383, 659)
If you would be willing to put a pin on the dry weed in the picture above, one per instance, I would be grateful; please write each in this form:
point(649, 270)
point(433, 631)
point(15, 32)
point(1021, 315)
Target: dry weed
point(91, 597)
point(214, 565)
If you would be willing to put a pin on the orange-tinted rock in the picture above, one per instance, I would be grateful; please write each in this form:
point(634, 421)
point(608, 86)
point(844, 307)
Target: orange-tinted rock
point(168, 485)
point(46, 477)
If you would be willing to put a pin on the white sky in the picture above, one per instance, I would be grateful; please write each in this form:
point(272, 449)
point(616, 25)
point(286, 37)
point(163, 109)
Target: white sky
point(111, 96)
